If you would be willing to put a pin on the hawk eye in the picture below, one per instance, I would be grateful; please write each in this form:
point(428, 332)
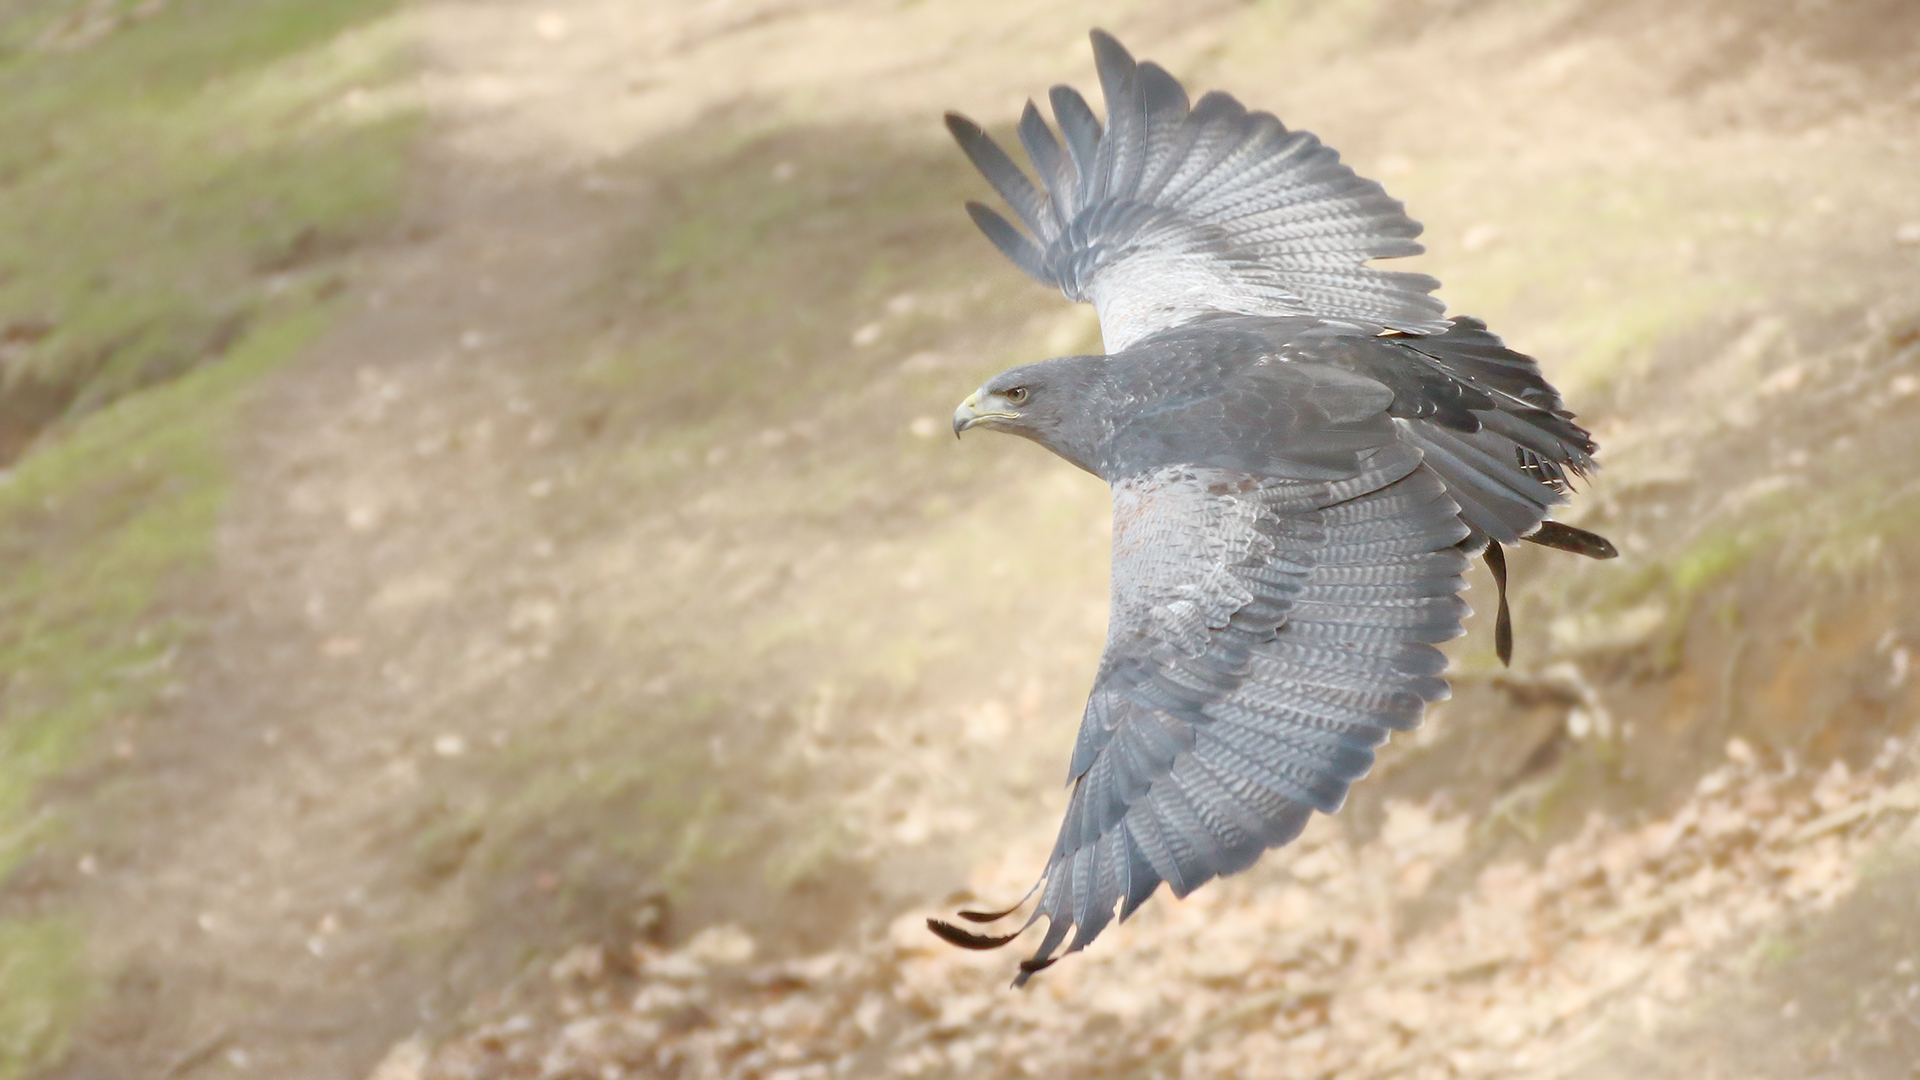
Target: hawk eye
point(1016, 396)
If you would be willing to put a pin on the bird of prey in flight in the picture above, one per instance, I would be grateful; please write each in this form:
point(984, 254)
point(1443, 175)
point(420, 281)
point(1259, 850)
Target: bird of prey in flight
point(1303, 453)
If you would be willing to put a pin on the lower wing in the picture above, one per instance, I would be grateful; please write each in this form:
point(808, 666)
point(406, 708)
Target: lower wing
point(1244, 690)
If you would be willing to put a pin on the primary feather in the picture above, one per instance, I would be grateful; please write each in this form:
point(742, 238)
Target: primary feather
point(1172, 212)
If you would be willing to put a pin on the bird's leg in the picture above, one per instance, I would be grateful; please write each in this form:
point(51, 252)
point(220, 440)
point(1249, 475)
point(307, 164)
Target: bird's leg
point(1503, 622)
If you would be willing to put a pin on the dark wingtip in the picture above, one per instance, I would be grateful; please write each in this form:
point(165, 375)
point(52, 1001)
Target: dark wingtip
point(1109, 55)
point(1561, 537)
point(1029, 968)
point(1105, 44)
point(988, 916)
point(967, 939)
point(997, 228)
point(963, 129)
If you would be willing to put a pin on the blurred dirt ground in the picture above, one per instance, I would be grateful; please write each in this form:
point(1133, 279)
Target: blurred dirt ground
point(604, 666)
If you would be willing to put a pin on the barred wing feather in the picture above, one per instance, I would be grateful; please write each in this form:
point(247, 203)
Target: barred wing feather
point(1172, 212)
point(1267, 634)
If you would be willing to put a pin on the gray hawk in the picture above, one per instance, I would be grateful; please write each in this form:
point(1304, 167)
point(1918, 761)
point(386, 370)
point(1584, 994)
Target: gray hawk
point(1303, 456)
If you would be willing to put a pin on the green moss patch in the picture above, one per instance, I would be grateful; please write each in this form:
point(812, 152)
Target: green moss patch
point(41, 990)
point(160, 178)
point(176, 182)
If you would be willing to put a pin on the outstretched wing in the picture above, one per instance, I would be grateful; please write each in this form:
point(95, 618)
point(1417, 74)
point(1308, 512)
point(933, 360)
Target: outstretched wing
point(1171, 212)
point(1265, 636)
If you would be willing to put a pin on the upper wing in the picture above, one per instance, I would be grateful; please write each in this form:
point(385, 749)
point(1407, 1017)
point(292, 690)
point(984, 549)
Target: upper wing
point(1173, 212)
point(1265, 636)
point(1484, 416)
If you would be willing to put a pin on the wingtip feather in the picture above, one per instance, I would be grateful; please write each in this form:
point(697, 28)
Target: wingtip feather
point(1109, 54)
point(962, 127)
point(967, 939)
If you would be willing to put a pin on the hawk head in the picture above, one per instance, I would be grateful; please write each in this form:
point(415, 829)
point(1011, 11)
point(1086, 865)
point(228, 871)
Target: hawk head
point(1057, 403)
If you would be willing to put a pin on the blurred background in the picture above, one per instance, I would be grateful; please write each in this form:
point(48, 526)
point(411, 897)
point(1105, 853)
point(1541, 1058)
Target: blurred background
point(488, 592)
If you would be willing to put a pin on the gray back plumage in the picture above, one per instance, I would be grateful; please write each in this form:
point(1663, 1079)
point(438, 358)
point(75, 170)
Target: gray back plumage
point(1171, 212)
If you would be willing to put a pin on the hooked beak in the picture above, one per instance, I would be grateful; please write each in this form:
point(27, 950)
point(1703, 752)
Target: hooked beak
point(969, 414)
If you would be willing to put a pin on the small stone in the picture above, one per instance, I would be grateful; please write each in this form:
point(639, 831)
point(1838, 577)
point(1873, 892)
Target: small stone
point(1784, 381)
point(1480, 237)
point(406, 1061)
point(723, 945)
point(582, 963)
point(337, 647)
